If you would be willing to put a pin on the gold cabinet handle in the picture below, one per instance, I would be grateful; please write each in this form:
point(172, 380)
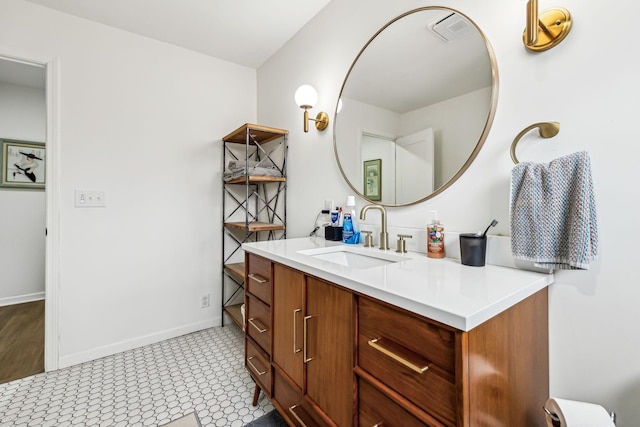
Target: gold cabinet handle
point(292, 409)
point(257, 278)
point(380, 424)
point(304, 342)
point(391, 350)
point(295, 330)
point(249, 361)
point(262, 330)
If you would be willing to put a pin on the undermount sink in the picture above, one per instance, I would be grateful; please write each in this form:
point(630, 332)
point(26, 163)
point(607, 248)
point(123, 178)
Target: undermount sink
point(353, 256)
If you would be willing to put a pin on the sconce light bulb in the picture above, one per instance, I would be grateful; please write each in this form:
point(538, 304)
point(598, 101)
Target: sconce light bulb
point(306, 96)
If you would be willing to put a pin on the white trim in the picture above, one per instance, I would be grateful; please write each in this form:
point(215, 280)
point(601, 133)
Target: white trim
point(52, 267)
point(108, 350)
point(52, 190)
point(21, 299)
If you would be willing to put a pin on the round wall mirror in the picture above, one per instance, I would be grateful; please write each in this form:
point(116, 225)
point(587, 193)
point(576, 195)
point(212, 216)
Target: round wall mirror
point(415, 106)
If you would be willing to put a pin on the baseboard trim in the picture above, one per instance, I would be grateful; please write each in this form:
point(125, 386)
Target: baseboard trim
point(108, 350)
point(21, 299)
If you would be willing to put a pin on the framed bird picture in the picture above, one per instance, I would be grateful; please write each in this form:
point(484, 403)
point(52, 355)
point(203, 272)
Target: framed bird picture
point(23, 164)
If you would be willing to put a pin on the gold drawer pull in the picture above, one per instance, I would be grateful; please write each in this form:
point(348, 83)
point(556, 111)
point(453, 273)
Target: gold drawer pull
point(258, 278)
point(262, 330)
point(295, 330)
point(392, 350)
point(293, 412)
point(303, 415)
point(249, 361)
point(305, 359)
point(380, 424)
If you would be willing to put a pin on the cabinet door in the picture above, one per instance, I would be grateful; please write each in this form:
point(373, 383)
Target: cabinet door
point(329, 358)
point(288, 321)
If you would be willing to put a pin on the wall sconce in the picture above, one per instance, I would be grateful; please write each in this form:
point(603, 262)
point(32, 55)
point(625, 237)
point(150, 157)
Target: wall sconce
point(546, 130)
point(546, 30)
point(306, 97)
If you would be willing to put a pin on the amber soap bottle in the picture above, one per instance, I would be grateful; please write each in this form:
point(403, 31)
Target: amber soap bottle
point(435, 237)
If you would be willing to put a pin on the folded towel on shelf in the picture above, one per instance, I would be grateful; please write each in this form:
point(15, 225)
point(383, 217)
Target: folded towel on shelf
point(265, 163)
point(256, 171)
point(553, 213)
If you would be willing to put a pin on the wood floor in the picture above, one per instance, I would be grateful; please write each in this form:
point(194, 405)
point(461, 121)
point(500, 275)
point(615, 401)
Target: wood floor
point(21, 340)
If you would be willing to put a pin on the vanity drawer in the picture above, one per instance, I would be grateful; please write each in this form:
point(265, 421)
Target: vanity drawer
point(259, 277)
point(296, 409)
point(410, 354)
point(259, 322)
point(376, 409)
point(257, 363)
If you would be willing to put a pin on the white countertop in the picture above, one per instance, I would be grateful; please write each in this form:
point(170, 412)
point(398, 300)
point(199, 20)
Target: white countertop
point(441, 289)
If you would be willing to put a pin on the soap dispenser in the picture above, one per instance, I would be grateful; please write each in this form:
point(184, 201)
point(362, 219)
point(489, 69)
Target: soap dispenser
point(435, 237)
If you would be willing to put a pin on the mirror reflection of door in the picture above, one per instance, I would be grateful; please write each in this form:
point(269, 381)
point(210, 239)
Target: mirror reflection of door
point(414, 165)
point(407, 164)
point(23, 117)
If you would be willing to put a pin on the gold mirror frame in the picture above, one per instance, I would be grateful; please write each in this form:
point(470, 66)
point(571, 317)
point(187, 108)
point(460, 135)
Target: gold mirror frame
point(485, 130)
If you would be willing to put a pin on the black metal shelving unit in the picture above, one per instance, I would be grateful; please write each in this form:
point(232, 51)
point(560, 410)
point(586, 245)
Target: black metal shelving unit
point(253, 204)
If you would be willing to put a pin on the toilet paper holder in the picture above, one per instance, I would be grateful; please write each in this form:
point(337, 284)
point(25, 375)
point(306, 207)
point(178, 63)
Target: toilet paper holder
point(555, 420)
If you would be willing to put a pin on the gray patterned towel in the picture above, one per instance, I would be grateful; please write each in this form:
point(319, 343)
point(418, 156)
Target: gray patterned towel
point(553, 213)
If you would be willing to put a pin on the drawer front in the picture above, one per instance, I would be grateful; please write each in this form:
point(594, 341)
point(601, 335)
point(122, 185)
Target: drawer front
point(259, 322)
point(259, 277)
point(257, 363)
point(296, 410)
point(376, 409)
point(285, 395)
point(396, 347)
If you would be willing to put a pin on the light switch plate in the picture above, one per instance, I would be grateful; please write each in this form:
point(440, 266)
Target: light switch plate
point(90, 199)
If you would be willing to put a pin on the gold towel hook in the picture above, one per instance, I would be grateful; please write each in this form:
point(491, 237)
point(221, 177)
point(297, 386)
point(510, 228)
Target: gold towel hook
point(547, 29)
point(546, 130)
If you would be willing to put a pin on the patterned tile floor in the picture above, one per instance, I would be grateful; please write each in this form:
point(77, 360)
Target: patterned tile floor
point(147, 386)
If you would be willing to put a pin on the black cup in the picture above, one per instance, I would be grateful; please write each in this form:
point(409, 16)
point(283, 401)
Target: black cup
point(333, 233)
point(473, 249)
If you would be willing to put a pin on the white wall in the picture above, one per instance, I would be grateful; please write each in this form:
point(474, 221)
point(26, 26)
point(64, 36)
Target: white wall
point(22, 212)
point(588, 83)
point(142, 121)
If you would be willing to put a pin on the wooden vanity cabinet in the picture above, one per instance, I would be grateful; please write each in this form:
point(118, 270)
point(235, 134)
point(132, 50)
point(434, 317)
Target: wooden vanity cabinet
point(312, 349)
point(327, 356)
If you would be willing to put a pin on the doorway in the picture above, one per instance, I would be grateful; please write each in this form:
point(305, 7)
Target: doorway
point(407, 164)
point(23, 126)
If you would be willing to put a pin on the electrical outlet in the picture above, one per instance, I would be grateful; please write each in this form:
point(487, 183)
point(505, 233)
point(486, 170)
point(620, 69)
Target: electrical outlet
point(204, 301)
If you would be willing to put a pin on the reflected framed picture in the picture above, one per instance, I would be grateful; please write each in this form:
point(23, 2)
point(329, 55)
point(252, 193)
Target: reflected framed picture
point(23, 164)
point(372, 179)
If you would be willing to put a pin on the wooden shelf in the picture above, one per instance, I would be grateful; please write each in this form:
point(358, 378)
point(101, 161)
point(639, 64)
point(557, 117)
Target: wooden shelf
point(235, 314)
point(253, 179)
point(236, 270)
point(261, 134)
point(254, 226)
